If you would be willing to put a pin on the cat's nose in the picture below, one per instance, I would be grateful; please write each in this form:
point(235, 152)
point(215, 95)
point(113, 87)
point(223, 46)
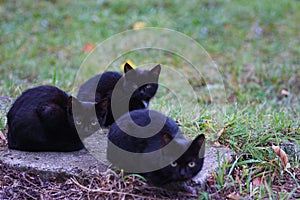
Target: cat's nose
point(182, 172)
point(86, 129)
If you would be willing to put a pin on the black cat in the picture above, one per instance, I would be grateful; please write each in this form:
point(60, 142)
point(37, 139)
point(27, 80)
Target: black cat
point(130, 91)
point(157, 149)
point(42, 119)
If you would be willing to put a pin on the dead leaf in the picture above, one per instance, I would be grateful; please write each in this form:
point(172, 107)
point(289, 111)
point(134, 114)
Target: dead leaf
point(234, 196)
point(281, 154)
point(221, 131)
point(217, 144)
point(138, 25)
point(285, 93)
point(2, 137)
point(237, 179)
point(129, 62)
point(186, 69)
point(211, 180)
point(88, 47)
point(292, 130)
point(256, 181)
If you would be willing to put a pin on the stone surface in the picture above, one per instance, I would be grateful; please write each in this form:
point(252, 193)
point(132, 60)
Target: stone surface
point(211, 164)
point(90, 160)
point(59, 164)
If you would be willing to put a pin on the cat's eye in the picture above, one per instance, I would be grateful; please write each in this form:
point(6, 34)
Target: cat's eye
point(174, 164)
point(94, 123)
point(78, 122)
point(191, 164)
point(148, 86)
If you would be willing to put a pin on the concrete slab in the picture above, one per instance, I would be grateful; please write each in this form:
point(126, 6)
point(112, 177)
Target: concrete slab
point(211, 164)
point(59, 164)
point(92, 160)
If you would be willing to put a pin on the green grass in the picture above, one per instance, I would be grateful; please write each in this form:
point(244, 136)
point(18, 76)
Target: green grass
point(255, 43)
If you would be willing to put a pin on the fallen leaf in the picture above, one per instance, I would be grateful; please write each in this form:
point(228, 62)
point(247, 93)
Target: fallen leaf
point(234, 196)
point(88, 47)
point(129, 62)
point(237, 179)
point(292, 130)
point(256, 181)
point(138, 25)
point(217, 144)
point(2, 137)
point(281, 154)
point(221, 131)
point(285, 93)
point(211, 181)
point(186, 69)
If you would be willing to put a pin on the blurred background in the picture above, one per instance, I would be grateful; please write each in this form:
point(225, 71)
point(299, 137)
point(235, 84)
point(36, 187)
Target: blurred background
point(256, 45)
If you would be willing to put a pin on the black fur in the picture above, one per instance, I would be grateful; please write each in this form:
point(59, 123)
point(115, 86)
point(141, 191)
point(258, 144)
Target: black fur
point(181, 167)
point(104, 85)
point(41, 119)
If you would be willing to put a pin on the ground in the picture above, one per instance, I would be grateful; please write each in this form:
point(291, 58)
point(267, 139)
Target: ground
point(255, 45)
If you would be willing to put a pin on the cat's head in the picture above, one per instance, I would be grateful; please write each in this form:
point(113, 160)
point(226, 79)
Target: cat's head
point(186, 166)
point(134, 80)
point(87, 117)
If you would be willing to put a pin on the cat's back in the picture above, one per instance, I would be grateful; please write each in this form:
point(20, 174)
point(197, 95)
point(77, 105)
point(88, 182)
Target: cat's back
point(141, 130)
point(110, 77)
point(143, 117)
point(38, 121)
point(101, 84)
point(34, 97)
point(35, 104)
point(106, 80)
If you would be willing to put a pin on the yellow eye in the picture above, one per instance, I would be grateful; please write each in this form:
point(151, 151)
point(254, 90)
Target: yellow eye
point(174, 164)
point(94, 123)
point(78, 122)
point(191, 164)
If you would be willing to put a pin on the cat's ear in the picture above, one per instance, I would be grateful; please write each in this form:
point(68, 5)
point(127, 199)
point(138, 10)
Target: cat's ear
point(127, 67)
point(198, 145)
point(156, 70)
point(102, 105)
point(166, 138)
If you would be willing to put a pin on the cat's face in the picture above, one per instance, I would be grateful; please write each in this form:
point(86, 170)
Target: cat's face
point(134, 80)
point(184, 168)
point(83, 115)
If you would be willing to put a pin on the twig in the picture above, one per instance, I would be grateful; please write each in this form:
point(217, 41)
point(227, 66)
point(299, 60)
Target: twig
point(107, 192)
point(164, 190)
point(28, 194)
point(2, 136)
point(25, 178)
